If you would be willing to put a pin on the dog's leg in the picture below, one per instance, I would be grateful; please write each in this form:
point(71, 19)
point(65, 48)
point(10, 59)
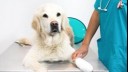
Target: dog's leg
point(82, 64)
point(24, 42)
point(31, 61)
point(71, 51)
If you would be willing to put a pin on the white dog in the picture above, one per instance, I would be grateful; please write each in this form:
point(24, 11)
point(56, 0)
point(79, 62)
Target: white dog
point(54, 38)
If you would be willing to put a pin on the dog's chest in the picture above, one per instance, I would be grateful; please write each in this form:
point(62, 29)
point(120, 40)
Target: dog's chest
point(56, 54)
point(58, 49)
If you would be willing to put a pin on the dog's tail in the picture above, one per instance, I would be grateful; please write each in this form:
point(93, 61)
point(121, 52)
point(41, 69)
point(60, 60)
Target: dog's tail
point(24, 42)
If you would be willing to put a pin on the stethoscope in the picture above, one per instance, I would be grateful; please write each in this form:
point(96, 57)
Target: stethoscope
point(120, 4)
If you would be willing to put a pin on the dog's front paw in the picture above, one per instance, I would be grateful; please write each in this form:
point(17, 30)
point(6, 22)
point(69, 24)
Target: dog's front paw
point(42, 70)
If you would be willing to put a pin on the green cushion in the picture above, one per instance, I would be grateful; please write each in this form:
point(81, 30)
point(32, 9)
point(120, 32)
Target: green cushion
point(79, 29)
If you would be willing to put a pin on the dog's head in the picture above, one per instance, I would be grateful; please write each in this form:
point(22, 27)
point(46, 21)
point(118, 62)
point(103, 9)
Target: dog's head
point(50, 19)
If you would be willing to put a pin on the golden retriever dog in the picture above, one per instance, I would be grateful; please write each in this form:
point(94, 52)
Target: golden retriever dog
point(53, 38)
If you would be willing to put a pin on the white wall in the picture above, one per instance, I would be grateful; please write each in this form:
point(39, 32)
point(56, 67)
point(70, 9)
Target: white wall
point(16, 15)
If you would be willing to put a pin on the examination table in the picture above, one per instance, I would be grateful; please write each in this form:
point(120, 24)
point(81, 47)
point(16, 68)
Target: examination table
point(11, 61)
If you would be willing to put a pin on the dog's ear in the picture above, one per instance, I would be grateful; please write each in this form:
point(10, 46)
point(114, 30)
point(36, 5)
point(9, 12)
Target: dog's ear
point(67, 28)
point(65, 22)
point(70, 34)
point(36, 23)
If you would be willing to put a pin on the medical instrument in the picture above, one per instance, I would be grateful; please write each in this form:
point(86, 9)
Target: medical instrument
point(105, 8)
point(120, 4)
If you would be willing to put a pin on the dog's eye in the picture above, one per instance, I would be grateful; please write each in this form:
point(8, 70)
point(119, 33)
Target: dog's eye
point(45, 16)
point(58, 14)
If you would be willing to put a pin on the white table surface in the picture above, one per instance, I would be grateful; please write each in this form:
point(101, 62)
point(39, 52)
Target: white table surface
point(11, 61)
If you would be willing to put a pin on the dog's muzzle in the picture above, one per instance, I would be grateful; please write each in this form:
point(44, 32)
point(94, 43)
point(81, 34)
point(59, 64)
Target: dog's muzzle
point(54, 27)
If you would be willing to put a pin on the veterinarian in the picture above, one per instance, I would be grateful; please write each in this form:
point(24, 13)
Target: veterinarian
point(111, 16)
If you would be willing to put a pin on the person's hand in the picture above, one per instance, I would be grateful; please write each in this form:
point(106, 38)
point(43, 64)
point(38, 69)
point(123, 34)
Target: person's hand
point(81, 52)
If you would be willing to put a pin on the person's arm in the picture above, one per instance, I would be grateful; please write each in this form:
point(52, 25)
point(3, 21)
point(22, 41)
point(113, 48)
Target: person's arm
point(92, 28)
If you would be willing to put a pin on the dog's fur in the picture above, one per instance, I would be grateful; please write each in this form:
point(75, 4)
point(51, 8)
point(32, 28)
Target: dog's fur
point(47, 47)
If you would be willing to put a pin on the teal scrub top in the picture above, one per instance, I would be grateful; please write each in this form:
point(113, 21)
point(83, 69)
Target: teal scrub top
point(112, 46)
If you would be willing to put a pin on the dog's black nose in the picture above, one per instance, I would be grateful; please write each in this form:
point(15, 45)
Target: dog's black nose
point(54, 26)
point(54, 23)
